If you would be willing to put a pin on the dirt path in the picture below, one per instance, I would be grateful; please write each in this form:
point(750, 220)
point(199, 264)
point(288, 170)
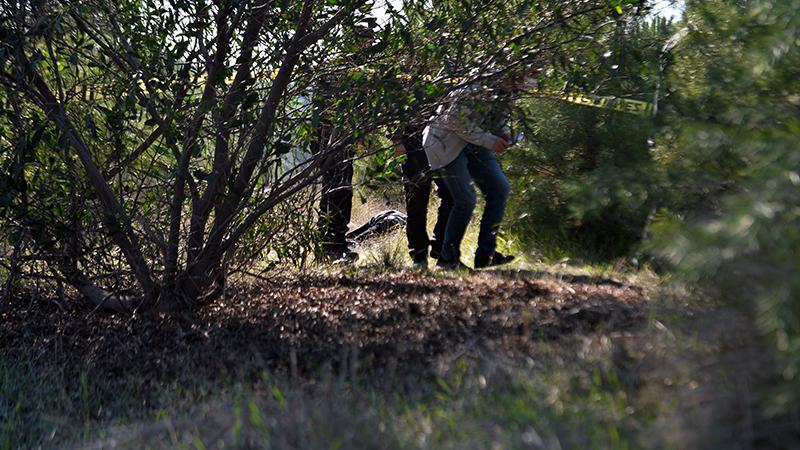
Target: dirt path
point(299, 322)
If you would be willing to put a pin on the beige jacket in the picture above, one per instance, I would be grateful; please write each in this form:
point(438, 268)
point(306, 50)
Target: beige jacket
point(454, 126)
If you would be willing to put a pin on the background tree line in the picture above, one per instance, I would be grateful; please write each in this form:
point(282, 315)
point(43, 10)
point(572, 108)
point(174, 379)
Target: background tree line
point(706, 190)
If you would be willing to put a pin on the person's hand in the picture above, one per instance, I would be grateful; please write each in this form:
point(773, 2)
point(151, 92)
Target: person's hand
point(500, 145)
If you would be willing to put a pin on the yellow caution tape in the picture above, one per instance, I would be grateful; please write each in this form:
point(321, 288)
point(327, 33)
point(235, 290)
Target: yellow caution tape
point(625, 105)
point(637, 107)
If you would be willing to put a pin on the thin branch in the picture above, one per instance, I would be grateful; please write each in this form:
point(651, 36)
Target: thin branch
point(137, 152)
point(263, 128)
point(207, 100)
point(119, 223)
point(221, 163)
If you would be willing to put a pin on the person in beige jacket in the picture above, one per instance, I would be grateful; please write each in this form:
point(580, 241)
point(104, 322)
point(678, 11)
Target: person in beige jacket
point(456, 143)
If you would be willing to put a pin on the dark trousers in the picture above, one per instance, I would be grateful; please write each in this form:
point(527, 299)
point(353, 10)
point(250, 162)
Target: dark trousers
point(417, 181)
point(336, 200)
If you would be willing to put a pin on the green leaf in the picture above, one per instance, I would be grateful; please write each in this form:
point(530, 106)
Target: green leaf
point(276, 392)
point(250, 100)
point(282, 148)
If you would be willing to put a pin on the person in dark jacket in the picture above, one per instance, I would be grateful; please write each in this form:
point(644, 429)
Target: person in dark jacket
point(337, 151)
point(417, 182)
point(336, 198)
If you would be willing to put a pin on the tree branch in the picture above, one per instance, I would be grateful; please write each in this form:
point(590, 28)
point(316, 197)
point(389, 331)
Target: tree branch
point(220, 165)
point(263, 129)
point(117, 221)
point(207, 100)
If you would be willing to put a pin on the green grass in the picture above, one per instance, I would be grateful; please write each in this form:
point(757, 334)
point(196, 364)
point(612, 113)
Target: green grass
point(476, 401)
point(40, 404)
point(662, 386)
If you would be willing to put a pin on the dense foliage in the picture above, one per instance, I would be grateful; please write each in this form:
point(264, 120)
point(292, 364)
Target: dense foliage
point(586, 182)
point(732, 152)
point(143, 141)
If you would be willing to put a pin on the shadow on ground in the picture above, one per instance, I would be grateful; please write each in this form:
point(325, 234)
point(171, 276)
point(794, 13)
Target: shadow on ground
point(300, 323)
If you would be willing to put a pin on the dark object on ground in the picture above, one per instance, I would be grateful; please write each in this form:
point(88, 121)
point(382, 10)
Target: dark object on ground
point(497, 259)
point(377, 225)
point(406, 317)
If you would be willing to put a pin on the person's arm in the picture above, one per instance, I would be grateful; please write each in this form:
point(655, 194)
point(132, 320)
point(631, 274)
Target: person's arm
point(474, 134)
point(484, 139)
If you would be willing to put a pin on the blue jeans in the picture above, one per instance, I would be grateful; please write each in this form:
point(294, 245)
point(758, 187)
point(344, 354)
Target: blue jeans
point(479, 165)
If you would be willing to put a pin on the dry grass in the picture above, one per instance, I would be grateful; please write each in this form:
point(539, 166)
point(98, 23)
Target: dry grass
point(393, 360)
point(383, 360)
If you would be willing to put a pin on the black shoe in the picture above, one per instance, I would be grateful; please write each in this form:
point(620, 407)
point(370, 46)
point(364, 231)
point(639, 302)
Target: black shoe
point(455, 265)
point(436, 249)
point(420, 264)
point(498, 259)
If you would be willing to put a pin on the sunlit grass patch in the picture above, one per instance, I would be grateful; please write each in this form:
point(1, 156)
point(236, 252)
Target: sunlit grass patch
point(472, 403)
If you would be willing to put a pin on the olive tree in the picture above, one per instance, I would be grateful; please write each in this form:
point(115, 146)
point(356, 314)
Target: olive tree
point(142, 140)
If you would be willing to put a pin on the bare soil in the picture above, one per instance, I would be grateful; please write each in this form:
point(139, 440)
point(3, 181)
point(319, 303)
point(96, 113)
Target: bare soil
point(299, 322)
